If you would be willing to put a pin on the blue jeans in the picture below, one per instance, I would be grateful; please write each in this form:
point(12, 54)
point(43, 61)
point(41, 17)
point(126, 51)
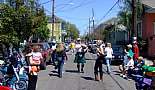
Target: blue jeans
point(108, 62)
point(53, 58)
point(60, 68)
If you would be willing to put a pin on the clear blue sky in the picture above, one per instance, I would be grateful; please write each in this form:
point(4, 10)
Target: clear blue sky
point(78, 11)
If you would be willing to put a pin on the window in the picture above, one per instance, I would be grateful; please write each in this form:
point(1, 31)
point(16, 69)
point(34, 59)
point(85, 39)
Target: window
point(153, 28)
point(139, 29)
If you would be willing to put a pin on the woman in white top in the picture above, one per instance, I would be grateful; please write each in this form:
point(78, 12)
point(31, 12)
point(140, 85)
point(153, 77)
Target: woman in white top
point(108, 57)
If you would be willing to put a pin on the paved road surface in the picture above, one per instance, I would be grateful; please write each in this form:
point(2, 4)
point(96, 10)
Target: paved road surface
point(81, 81)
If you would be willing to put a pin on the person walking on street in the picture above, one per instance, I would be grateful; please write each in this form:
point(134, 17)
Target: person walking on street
point(53, 57)
point(80, 55)
point(60, 57)
point(35, 58)
point(72, 46)
point(99, 62)
point(108, 57)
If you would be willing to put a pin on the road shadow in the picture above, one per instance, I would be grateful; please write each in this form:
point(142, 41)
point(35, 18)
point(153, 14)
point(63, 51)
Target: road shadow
point(54, 71)
point(70, 54)
point(72, 71)
point(87, 78)
point(53, 74)
point(89, 59)
point(117, 72)
point(104, 72)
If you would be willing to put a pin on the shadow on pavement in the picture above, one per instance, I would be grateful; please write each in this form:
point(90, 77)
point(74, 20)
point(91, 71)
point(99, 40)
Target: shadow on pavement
point(70, 54)
point(87, 78)
point(117, 72)
point(72, 71)
point(52, 74)
point(54, 71)
point(89, 59)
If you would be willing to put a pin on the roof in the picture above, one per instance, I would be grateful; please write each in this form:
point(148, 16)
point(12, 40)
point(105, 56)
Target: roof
point(150, 3)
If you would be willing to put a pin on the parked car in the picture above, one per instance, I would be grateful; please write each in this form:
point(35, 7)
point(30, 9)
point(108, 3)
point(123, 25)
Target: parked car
point(46, 53)
point(117, 53)
point(92, 47)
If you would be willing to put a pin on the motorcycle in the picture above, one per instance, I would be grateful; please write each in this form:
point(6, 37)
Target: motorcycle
point(14, 73)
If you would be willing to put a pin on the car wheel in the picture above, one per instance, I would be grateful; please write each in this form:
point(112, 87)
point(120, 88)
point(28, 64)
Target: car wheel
point(21, 85)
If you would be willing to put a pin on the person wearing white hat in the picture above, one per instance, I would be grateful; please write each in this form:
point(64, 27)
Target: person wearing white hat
point(130, 52)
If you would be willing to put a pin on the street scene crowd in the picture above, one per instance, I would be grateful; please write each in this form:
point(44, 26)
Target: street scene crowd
point(20, 66)
point(44, 46)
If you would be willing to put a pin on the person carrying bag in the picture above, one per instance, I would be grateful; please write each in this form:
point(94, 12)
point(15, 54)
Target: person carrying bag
point(35, 58)
point(98, 63)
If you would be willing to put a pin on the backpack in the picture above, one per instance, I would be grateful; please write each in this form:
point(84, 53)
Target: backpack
point(60, 55)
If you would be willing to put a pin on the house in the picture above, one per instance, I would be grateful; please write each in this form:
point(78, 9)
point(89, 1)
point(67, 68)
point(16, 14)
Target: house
point(57, 32)
point(148, 26)
point(117, 33)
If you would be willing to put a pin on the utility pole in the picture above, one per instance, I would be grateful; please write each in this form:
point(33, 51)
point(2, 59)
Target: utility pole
point(134, 19)
point(89, 30)
point(53, 18)
point(93, 23)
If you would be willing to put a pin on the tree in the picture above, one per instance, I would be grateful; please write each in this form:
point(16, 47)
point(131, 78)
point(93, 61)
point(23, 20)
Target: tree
point(72, 31)
point(7, 31)
point(125, 14)
point(22, 21)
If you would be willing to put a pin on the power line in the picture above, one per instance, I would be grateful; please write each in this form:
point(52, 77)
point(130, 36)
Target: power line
point(67, 3)
point(108, 11)
point(79, 6)
point(46, 2)
point(75, 18)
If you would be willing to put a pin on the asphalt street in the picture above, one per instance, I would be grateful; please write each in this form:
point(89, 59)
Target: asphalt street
point(72, 80)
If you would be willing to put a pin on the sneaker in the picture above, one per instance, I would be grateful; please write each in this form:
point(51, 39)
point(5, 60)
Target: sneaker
point(63, 71)
point(55, 67)
point(108, 73)
point(124, 76)
point(121, 75)
point(82, 71)
point(129, 79)
point(78, 71)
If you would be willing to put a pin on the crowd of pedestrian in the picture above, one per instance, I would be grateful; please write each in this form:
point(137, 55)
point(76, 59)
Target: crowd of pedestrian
point(132, 63)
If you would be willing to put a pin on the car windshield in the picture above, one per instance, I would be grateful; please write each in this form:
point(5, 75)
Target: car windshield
point(117, 49)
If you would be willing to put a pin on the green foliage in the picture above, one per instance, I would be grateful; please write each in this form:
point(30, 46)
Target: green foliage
point(71, 29)
point(125, 15)
point(21, 21)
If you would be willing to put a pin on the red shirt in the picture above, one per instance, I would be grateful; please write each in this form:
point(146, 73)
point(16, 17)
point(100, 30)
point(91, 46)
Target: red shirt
point(136, 51)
